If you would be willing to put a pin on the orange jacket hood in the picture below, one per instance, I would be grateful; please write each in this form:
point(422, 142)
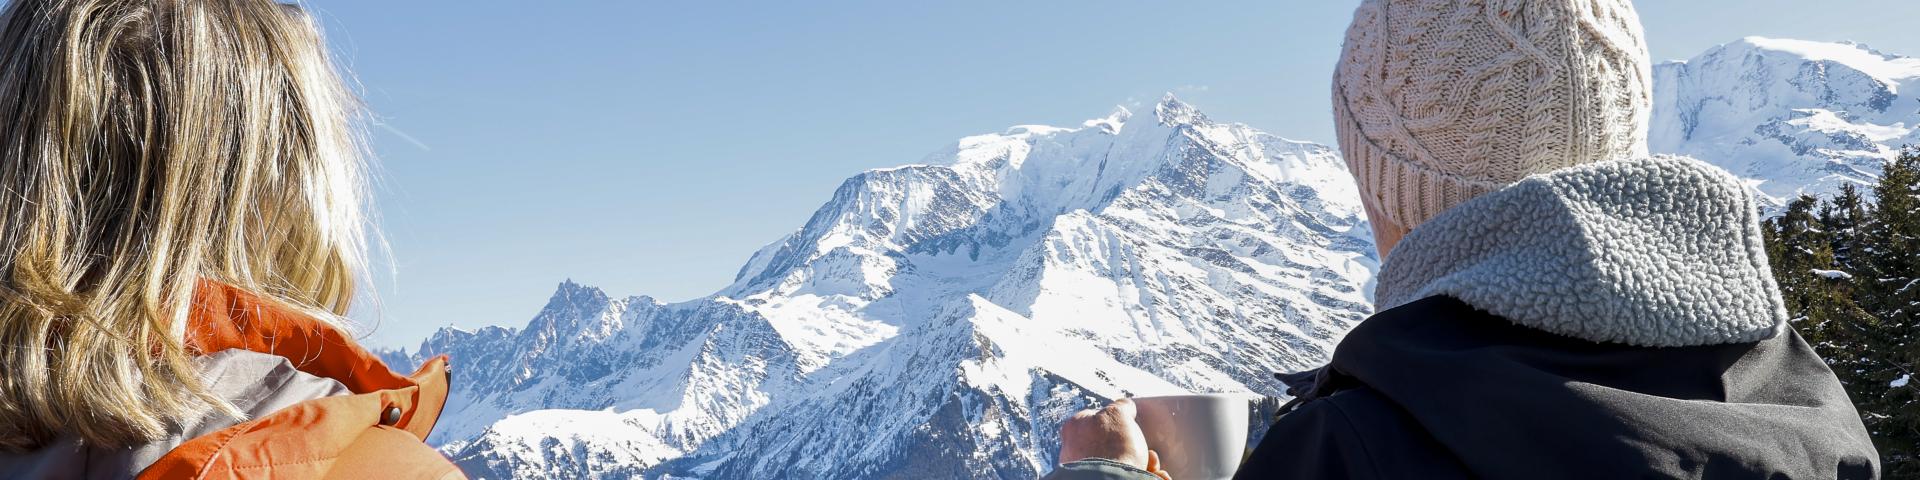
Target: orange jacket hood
point(378, 431)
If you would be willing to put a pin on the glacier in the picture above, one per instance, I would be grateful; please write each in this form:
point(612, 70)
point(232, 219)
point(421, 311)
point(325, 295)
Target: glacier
point(939, 319)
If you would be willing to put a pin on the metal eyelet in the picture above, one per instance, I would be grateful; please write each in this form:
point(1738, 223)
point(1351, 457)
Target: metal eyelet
point(391, 417)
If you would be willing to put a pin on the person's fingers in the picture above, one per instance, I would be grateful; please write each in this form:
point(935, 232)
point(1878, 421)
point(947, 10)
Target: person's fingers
point(1108, 432)
point(1084, 414)
point(1119, 418)
point(1081, 436)
point(1122, 409)
point(1153, 465)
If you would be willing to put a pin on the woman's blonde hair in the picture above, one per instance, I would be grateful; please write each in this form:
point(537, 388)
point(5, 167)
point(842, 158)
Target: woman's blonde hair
point(146, 145)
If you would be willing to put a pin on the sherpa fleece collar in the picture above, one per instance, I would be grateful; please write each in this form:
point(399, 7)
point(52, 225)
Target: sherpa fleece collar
point(1659, 252)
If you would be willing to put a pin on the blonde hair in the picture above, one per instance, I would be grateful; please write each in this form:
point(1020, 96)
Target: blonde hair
point(147, 145)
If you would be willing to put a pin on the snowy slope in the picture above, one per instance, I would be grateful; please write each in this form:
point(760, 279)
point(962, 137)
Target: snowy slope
point(653, 380)
point(1173, 254)
point(1794, 116)
point(940, 319)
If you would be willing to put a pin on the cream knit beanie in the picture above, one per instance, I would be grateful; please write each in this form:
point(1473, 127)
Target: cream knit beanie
point(1440, 101)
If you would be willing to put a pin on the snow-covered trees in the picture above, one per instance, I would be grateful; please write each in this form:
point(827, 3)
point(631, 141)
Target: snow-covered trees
point(1849, 269)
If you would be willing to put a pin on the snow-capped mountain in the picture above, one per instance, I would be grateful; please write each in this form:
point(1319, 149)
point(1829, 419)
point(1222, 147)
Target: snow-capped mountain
point(939, 320)
point(1154, 255)
point(1795, 116)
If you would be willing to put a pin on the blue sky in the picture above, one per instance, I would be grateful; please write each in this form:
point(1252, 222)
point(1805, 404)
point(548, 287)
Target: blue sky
point(650, 147)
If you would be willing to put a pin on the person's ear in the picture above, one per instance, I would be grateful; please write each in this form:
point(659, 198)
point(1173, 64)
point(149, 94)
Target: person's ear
point(1386, 234)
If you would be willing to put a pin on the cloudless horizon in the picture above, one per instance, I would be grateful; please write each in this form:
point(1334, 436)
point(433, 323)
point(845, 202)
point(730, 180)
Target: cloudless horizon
point(650, 149)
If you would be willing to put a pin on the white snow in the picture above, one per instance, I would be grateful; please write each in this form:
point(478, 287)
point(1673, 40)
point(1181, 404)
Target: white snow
point(1009, 279)
point(1833, 274)
point(544, 441)
point(1900, 382)
point(1891, 70)
point(1794, 117)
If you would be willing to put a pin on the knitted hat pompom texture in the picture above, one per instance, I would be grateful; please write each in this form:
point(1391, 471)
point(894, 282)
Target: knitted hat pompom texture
point(1440, 101)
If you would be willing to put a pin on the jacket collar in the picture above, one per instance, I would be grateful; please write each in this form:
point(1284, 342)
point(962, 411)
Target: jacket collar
point(224, 317)
point(304, 440)
point(1661, 252)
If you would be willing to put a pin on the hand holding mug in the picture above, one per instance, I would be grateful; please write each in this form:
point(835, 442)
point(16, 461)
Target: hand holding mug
point(1110, 433)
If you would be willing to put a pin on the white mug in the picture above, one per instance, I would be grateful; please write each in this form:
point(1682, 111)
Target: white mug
point(1198, 437)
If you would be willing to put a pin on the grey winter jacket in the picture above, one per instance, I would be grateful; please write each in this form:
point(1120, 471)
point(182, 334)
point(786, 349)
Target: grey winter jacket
point(1614, 320)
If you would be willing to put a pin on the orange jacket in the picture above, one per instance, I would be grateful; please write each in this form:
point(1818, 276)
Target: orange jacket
point(377, 432)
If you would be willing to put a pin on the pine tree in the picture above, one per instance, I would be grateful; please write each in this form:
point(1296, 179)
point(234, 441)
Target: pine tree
point(1849, 271)
point(1887, 393)
point(1818, 291)
point(1844, 218)
point(1850, 335)
point(1810, 283)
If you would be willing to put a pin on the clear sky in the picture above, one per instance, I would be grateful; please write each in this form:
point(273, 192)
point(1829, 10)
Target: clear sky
point(650, 147)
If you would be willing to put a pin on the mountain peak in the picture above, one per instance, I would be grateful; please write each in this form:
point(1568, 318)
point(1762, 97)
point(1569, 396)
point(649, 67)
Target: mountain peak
point(574, 293)
point(1113, 121)
point(1794, 116)
point(1172, 111)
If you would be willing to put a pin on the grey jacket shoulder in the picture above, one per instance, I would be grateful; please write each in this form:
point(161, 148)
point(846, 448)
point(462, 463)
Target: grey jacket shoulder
point(1098, 469)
